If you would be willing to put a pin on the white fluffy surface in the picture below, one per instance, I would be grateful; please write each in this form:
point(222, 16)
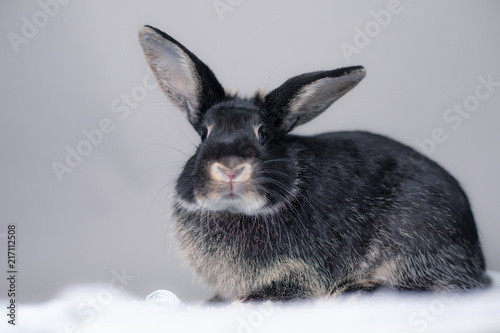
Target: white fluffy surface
point(91, 309)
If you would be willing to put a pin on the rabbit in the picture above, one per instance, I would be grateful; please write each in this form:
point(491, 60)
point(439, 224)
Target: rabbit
point(261, 214)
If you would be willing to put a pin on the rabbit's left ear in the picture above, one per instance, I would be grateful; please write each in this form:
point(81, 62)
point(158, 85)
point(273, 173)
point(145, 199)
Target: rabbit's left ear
point(185, 79)
point(304, 97)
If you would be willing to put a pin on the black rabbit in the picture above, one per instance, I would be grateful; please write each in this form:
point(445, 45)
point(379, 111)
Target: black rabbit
point(264, 215)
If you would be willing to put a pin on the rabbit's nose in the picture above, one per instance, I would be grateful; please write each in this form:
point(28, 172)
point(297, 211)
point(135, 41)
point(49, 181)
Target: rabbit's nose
point(238, 173)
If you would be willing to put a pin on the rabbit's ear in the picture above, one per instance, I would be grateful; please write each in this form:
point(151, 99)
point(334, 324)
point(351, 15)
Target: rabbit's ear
point(304, 97)
point(186, 81)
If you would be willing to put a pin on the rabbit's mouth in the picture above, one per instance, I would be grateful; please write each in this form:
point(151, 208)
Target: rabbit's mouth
point(233, 203)
point(231, 197)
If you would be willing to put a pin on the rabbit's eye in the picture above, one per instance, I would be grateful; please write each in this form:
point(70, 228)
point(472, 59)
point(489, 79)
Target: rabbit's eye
point(204, 135)
point(262, 136)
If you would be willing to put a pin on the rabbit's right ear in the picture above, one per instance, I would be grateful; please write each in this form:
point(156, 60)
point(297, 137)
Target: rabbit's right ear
point(304, 97)
point(187, 82)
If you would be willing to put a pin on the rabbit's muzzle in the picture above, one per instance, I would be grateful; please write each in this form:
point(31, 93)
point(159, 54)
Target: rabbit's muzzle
point(230, 185)
point(230, 177)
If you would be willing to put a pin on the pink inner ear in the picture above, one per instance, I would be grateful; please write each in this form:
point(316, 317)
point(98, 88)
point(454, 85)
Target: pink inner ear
point(316, 97)
point(174, 71)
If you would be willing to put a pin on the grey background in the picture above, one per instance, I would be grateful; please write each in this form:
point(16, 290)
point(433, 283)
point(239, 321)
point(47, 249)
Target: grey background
point(112, 211)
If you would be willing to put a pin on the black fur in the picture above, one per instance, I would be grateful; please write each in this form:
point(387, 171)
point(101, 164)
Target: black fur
point(262, 214)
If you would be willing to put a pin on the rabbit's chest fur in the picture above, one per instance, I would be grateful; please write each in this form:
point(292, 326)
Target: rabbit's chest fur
point(238, 254)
